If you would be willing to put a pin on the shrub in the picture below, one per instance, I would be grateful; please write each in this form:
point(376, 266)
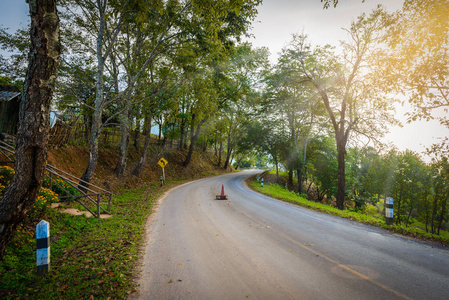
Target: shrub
point(44, 198)
point(6, 175)
point(61, 187)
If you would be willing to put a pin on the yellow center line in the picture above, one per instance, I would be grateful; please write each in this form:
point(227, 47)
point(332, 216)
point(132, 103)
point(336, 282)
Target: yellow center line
point(358, 274)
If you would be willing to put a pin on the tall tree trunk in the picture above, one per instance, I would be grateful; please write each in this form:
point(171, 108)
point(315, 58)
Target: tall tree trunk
point(88, 124)
point(146, 146)
point(443, 212)
point(93, 149)
point(181, 131)
point(398, 213)
point(300, 180)
point(164, 141)
point(137, 129)
point(34, 119)
point(228, 148)
point(119, 170)
point(215, 145)
point(276, 162)
point(219, 153)
point(434, 212)
point(228, 157)
point(160, 131)
point(290, 176)
point(99, 101)
point(341, 177)
point(193, 136)
point(409, 214)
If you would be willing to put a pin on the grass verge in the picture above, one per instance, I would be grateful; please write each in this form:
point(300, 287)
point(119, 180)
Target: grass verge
point(90, 258)
point(278, 192)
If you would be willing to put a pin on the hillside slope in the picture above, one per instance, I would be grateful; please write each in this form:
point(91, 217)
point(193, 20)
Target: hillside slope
point(74, 159)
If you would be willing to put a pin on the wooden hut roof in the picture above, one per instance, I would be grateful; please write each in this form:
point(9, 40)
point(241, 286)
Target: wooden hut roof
point(9, 92)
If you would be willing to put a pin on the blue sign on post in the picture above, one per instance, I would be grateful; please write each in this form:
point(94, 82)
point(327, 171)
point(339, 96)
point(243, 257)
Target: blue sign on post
point(43, 247)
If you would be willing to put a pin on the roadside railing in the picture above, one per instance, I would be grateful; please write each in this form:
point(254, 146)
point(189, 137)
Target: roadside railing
point(93, 198)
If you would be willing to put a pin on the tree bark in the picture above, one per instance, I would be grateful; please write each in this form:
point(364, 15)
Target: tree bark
point(215, 145)
point(341, 177)
point(299, 174)
point(228, 153)
point(146, 146)
point(219, 153)
point(34, 119)
point(102, 54)
point(398, 213)
point(434, 212)
point(119, 170)
point(193, 137)
point(443, 211)
point(99, 102)
point(137, 129)
point(276, 162)
point(181, 131)
point(290, 176)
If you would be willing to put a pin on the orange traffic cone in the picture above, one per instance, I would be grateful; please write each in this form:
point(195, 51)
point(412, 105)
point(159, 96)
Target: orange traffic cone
point(222, 190)
point(222, 196)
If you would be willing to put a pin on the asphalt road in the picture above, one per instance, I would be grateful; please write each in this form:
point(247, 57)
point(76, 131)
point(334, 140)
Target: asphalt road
point(255, 247)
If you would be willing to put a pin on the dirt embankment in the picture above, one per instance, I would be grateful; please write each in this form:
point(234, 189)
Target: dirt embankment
point(74, 160)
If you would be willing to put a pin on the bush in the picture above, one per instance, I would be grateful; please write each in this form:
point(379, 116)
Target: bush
point(304, 196)
point(7, 173)
point(45, 197)
point(61, 187)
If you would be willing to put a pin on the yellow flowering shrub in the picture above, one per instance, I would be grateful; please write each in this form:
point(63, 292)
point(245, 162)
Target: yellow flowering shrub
point(45, 196)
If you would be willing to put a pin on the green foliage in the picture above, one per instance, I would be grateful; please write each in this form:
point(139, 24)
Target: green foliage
point(324, 167)
point(418, 36)
point(45, 196)
point(60, 187)
point(370, 215)
point(13, 69)
point(89, 256)
point(6, 175)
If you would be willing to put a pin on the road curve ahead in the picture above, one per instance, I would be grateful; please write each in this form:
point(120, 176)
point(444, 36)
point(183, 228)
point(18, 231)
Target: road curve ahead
point(252, 246)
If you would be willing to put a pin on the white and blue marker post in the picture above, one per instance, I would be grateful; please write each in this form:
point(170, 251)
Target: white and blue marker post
point(389, 210)
point(43, 247)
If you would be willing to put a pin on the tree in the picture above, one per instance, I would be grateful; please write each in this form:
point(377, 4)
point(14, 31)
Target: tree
point(166, 26)
point(241, 75)
point(408, 184)
point(17, 44)
point(34, 119)
point(323, 168)
point(292, 100)
point(334, 3)
point(418, 38)
point(354, 101)
point(439, 192)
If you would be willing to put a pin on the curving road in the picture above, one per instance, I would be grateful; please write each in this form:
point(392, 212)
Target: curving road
point(255, 247)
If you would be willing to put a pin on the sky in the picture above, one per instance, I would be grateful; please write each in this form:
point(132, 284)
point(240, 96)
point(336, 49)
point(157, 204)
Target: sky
point(277, 20)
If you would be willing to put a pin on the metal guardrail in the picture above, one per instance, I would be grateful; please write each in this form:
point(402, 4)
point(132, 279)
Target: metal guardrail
point(4, 149)
point(87, 195)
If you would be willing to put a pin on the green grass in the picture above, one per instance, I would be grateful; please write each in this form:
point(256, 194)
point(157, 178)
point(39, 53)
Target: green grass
point(372, 216)
point(89, 257)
